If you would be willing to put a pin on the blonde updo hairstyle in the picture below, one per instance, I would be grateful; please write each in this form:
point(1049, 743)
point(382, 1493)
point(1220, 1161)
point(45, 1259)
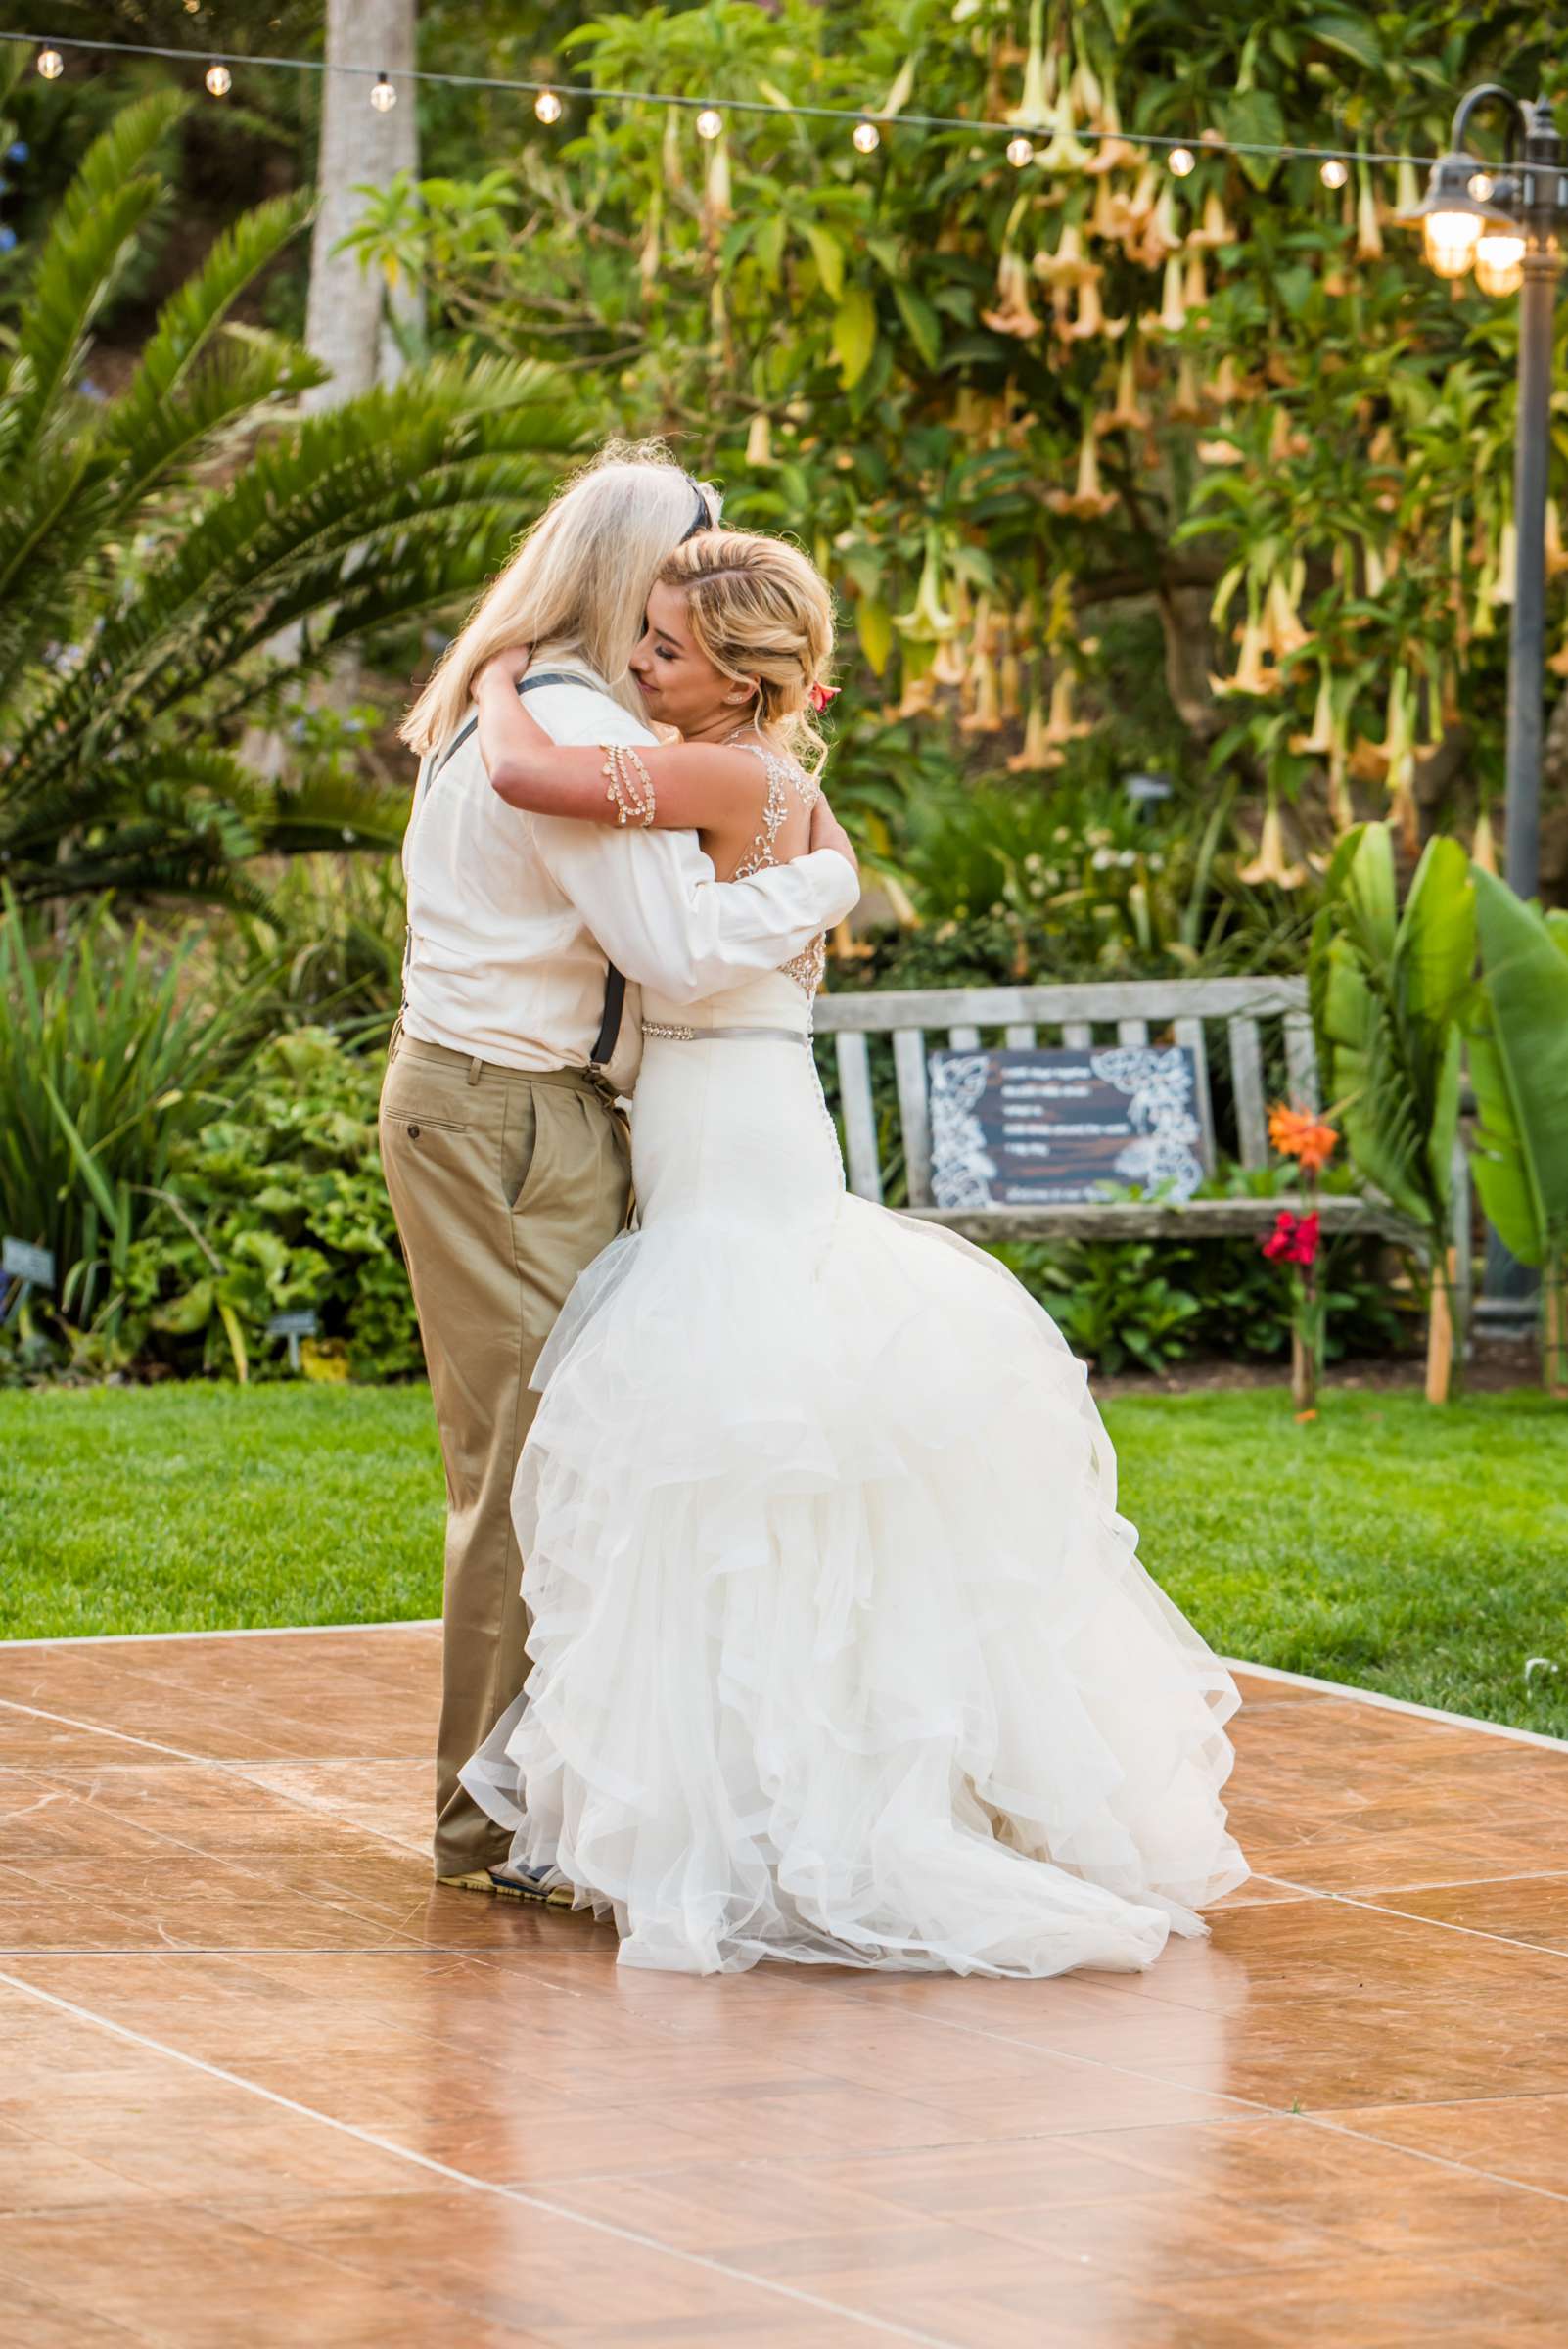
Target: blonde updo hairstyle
point(762, 613)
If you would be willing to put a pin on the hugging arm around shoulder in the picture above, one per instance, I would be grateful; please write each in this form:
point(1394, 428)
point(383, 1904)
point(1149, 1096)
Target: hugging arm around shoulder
point(651, 900)
point(679, 786)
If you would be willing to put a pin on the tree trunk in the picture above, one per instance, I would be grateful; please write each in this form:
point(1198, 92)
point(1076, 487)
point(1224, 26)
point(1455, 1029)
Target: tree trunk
point(346, 324)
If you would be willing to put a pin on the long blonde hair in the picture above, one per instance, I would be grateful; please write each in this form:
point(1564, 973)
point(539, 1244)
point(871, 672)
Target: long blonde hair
point(577, 584)
point(761, 610)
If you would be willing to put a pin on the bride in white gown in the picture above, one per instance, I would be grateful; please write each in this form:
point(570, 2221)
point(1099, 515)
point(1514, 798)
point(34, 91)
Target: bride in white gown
point(841, 1653)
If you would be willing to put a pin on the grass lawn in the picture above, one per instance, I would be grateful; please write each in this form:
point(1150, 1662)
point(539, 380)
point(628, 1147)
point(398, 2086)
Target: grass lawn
point(1418, 1552)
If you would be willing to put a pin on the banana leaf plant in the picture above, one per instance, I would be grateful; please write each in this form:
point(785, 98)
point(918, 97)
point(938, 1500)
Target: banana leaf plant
point(1518, 1035)
point(175, 558)
point(1390, 991)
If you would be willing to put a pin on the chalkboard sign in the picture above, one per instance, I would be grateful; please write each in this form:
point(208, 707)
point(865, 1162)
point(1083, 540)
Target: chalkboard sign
point(1035, 1128)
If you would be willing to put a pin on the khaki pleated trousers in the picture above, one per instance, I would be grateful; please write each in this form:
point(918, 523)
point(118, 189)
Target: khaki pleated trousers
point(505, 1184)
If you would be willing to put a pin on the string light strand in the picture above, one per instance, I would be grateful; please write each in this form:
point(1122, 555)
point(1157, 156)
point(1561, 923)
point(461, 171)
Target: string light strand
point(588, 95)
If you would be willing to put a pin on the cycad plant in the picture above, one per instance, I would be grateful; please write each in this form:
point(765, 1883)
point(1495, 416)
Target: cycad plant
point(1519, 1068)
point(1390, 990)
point(175, 557)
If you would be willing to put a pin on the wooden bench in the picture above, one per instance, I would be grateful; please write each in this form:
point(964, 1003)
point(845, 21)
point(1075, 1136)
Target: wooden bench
point(1264, 1019)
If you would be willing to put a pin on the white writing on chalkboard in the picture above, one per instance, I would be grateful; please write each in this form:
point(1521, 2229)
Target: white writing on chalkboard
point(999, 1135)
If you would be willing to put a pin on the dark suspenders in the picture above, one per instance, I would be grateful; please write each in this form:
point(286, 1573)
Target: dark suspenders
point(614, 984)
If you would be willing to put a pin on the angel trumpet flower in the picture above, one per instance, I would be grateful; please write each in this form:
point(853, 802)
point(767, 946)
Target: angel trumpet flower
point(1222, 386)
point(1368, 233)
point(1161, 235)
point(1253, 675)
point(1039, 753)
point(1012, 681)
point(1283, 631)
point(926, 621)
point(1061, 726)
point(1111, 150)
point(1086, 499)
point(902, 89)
point(1269, 862)
point(1195, 285)
point(1215, 229)
point(1186, 407)
point(1112, 215)
point(1144, 197)
point(1034, 105)
point(1069, 265)
point(1013, 315)
point(985, 715)
point(1172, 315)
point(1090, 319)
point(1556, 556)
point(1125, 415)
point(1502, 590)
point(1484, 846)
point(1322, 737)
point(1064, 150)
point(716, 205)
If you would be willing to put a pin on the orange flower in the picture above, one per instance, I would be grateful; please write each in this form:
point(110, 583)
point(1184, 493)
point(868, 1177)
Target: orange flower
point(1298, 1134)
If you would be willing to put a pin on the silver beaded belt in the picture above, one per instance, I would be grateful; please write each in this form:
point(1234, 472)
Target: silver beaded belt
point(700, 1035)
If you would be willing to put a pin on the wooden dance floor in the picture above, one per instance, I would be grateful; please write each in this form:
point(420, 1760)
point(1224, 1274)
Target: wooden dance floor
point(261, 2085)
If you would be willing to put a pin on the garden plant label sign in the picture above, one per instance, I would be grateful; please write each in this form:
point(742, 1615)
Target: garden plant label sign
point(1021, 1129)
point(19, 1260)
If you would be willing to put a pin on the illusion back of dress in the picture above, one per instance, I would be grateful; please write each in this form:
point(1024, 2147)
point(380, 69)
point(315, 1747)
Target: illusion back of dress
point(730, 1122)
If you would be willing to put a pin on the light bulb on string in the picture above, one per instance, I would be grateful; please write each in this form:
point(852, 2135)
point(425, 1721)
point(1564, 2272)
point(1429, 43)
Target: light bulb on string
point(51, 64)
point(1182, 161)
point(867, 138)
point(1334, 172)
point(1019, 152)
point(1481, 186)
point(710, 123)
point(219, 80)
point(383, 97)
point(547, 107)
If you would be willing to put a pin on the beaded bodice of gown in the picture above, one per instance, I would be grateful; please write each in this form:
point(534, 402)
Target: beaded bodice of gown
point(784, 777)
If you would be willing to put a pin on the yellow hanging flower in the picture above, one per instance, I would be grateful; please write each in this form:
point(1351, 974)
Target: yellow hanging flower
point(1323, 736)
point(1126, 414)
point(1269, 865)
point(1172, 315)
point(1038, 752)
point(1087, 498)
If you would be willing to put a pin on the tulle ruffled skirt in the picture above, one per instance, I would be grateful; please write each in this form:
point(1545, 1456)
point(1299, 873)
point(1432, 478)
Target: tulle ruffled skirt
point(841, 1650)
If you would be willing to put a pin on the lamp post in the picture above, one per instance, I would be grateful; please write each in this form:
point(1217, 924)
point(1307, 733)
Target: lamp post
point(1508, 227)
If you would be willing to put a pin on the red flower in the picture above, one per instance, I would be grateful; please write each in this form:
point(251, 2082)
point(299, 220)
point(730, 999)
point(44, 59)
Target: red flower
point(1293, 1240)
point(819, 696)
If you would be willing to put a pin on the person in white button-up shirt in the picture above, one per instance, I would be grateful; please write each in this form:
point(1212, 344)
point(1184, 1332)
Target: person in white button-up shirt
point(504, 1155)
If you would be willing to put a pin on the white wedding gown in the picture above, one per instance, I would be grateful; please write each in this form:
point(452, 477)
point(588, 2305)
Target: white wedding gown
point(841, 1653)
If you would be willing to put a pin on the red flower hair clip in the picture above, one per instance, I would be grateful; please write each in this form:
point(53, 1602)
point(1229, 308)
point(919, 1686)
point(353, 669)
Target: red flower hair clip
point(821, 694)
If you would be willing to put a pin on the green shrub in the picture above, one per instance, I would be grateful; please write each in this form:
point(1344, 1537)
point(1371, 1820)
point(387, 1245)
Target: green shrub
point(274, 1206)
point(1151, 1302)
point(111, 1054)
